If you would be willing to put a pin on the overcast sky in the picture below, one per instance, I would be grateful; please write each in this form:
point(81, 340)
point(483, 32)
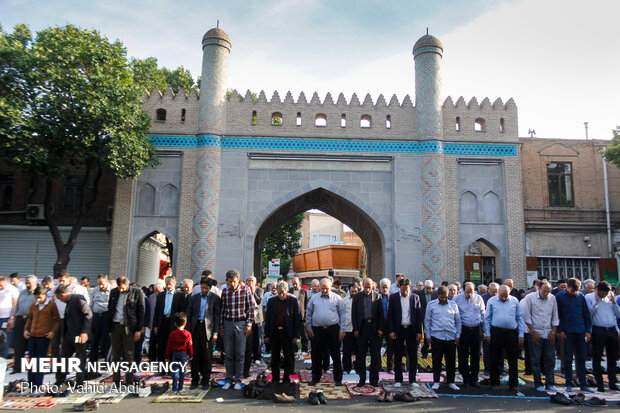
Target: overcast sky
point(559, 59)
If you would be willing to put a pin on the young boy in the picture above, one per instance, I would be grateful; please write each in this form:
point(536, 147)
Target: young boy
point(179, 349)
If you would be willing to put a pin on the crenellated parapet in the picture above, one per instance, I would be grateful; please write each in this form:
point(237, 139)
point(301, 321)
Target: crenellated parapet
point(172, 112)
point(315, 116)
point(471, 120)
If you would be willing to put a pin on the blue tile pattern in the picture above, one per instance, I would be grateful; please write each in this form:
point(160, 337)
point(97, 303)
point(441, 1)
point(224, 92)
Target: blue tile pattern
point(433, 228)
point(427, 89)
point(213, 87)
point(334, 145)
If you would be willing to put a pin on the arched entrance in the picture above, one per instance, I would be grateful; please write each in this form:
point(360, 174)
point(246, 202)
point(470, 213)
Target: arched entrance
point(154, 258)
point(482, 262)
point(338, 207)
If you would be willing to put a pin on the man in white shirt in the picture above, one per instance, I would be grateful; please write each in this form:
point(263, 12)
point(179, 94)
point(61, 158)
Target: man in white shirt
point(73, 287)
point(8, 301)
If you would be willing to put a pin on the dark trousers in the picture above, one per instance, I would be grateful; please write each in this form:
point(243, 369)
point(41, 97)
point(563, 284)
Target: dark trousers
point(137, 349)
point(257, 343)
point(326, 341)
point(280, 341)
point(153, 344)
point(122, 344)
point(389, 350)
point(304, 337)
point(606, 338)
point(57, 339)
point(70, 348)
point(424, 349)
point(368, 339)
point(37, 347)
point(469, 349)
point(443, 348)
point(526, 349)
point(406, 343)
point(503, 339)
point(100, 338)
point(20, 344)
point(162, 339)
point(348, 347)
point(249, 349)
point(575, 343)
point(543, 358)
point(203, 355)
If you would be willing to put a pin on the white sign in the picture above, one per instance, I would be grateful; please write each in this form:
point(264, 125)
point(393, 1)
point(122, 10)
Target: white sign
point(274, 267)
point(531, 277)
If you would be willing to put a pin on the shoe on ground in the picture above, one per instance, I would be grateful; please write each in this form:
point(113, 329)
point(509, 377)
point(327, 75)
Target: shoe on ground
point(312, 399)
point(568, 389)
point(560, 398)
point(600, 389)
point(374, 383)
point(613, 387)
point(237, 386)
point(381, 397)
point(586, 389)
point(287, 398)
point(540, 388)
point(389, 397)
point(321, 397)
point(361, 383)
point(312, 383)
point(227, 386)
point(338, 384)
point(453, 386)
point(595, 401)
point(206, 386)
point(398, 384)
point(551, 387)
point(435, 386)
point(193, 386)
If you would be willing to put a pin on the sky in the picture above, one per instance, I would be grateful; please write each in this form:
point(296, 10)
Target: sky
point(558, 59)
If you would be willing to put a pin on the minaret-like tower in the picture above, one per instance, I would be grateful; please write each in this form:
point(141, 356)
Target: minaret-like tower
point(427, 53)
point(211, 126)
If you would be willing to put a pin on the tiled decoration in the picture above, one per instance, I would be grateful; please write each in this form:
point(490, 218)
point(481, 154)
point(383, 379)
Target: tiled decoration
point(428, 88)
point(213, 87)
point(433, 228)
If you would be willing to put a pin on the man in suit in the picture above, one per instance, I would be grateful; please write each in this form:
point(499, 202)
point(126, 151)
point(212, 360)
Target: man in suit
point(384, 287)
point(126, 318)
point(426, 296)
point(365, 318)
point(203, 321)
point(77, 324)
point(405, 327)
point(257, 326)
point(168, 304)
point(282, 324)
point(302, 299)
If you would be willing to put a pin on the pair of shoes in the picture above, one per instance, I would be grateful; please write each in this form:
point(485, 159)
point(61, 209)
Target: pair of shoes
point(452, 386)
point(86, 406)
point(386, 397)
point(540, 388)
point(578, 398)
point(435, 386)
point(559, 398)
point(193, 386)
point(227, 386)
point(237, 386)
point(600, 389)
point(405, 397)
point(312, 383)
point(283, 398)
point(316, 397)
point(595, 401)
point(338, 384)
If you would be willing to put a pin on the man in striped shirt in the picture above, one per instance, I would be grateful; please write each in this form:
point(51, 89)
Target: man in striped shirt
point(237, 316)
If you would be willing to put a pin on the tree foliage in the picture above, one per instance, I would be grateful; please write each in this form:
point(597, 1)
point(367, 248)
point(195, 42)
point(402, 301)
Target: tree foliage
point(69, 105)
point(283, 243)
point(149, 76)
point(612, 153)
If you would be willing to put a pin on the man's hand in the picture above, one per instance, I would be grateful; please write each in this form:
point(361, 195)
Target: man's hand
point(155, 330)
point(456, 341)
point(356, 334)
point(418, 337)
point(393, 336)
point(520, 341)
point(552, 338)
point(310, 333)
point(248, 330)
point(267, 340)
point(26, 335)
point(83, 338)
point(295, 341)
point(214, 338)
point(10, 324)
point(428, 341)
point(136, 336)
point(50, 334)
point(612, 298)
point(535, 337)
point(562, 336)
point(588, 337)
point(341, 336)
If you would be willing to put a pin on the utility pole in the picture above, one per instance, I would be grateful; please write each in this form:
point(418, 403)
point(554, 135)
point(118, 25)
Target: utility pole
point(586, 126)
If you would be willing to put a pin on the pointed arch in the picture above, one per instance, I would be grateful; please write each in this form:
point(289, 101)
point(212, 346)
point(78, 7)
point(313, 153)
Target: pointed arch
point(492, 207)
point(169, 201)
point(468, 207)
point(146, 200)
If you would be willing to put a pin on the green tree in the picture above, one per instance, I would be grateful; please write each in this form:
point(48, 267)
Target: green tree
point(612, 153)
point(283, 243)
point(148, 75)
point(72, 109)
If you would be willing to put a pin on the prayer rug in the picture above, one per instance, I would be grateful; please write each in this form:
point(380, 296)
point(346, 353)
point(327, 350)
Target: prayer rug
point(293, 377)
point(110, 397)
point(166, 379)
point(46, 404)
point(186, 396)
point(218, 369)
point(75, 398)
point(306, 376)
point(610, 396)
point(365, 390)
point(331, 391)
point(110, 379)
point(23, 401)
point(420, 377)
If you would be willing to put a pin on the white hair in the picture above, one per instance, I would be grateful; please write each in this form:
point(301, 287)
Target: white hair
point(428, 283)
point(160, 283)
point(31, 276)
point(314, 281)
point(589, 281)
point(494, 285)
point(282, 286)
point(385, 281)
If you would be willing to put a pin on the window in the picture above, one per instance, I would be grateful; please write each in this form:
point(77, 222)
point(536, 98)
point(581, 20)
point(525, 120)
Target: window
point(182, 115)
point(298, 120)
point(501, 125)
point(320, 120)
point(70, 194)
point(557, 268)
point(388, 122)
point(457, 124)
point(365, 121)
point(479, 125)
point(6, 192)
point(276, 118)
point(254, 117)
point(343, 121)
point(160, 115)
point(560, 179)
point(320, 240)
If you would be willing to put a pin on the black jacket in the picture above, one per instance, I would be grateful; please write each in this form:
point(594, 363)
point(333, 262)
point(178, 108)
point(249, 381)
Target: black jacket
point(178, 302)
point(357, 311)
point(212, 313)
point(423, 303)
point(133, 311)
point(78, 317)
point(395, 314)
point(293, 318)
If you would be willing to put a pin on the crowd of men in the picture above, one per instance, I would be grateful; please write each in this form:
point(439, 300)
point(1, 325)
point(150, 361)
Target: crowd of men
point(240, 319)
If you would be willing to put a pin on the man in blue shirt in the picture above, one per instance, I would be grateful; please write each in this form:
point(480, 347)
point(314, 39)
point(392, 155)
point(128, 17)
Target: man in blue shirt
point(605, 313)
point(503, 328)
point(574, 330)
point(472, 310)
